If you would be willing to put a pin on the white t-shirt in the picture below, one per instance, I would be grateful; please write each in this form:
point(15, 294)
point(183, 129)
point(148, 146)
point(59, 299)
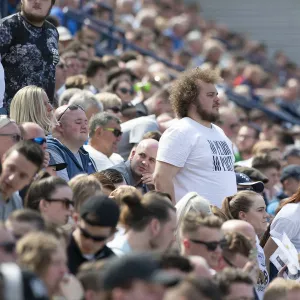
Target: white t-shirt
point(205, 157)
point(119, 245)
point(288, 221)
point(263, 277)
point(103, 162)
point(2, 84)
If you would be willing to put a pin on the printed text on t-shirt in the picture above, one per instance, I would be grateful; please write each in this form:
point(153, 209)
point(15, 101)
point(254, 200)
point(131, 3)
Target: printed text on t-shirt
point(221, 155)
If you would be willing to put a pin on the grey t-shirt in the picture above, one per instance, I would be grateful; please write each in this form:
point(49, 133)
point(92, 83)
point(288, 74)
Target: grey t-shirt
point(133, 132)
point(6, 208)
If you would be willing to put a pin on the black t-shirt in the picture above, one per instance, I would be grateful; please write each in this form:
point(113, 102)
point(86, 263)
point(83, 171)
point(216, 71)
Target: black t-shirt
point(75, 257)
point(29, 55)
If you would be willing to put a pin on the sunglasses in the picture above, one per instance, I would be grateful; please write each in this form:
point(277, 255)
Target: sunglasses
point(146, 87)
point(126, 91)
point(211, 246)
point(39, 140)
point(115, 109)
point(96, 238)
point(70, 107)
point(8, 247)
point(116, 132)
point(15, 137)
point(68, 203)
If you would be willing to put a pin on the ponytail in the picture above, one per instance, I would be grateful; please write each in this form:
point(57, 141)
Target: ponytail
point(219, 213)
point(241, 201)
point(226, 207)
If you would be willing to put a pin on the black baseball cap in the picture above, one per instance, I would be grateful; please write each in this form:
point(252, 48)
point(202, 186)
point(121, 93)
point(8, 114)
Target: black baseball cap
point(290, 171)
point(100, 210)
point(242, 180)
point(121, 271)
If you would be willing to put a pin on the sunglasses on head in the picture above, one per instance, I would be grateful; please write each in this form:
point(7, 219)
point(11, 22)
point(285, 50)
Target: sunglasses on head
point(15, 137)
point(211, 246)
point(115, 109)
point(70, 107)
point(39, 140)
point(127, 91)
point(116, 132)
point(67, 202)
point(8, 247)
point(96, 238)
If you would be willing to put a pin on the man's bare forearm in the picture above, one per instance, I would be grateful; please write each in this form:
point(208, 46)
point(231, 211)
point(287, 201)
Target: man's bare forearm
point(166, 186)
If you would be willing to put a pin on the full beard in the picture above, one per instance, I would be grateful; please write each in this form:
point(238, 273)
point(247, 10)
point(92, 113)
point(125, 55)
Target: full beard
point(31, 18)
point(205, 116)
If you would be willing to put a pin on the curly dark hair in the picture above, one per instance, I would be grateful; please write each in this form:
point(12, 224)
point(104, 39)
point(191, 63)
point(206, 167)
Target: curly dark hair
point(185, 89)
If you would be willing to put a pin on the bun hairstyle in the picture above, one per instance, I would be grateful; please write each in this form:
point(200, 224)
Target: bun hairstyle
point(241, 201)
point(133, 215)
point(137, 213)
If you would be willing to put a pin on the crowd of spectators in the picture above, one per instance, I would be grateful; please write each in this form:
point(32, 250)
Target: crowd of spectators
point(123, 177)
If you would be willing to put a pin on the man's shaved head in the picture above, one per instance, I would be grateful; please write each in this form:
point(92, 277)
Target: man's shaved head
point(31, 130)
point(241, 227)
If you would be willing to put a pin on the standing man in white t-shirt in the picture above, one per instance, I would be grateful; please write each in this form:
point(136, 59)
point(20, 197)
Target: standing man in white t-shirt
point(195, 155)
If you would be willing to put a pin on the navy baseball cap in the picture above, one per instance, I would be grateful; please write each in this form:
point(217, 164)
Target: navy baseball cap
point(244, 182)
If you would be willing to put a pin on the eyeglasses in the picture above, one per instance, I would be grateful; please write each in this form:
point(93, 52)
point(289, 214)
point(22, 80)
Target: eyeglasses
point(15, 137)
point(70, 107)
point(67, 202)
point(96, 238)
point(39, 140)
point(115, 109)
point(126, 91)
point(8, 247)
point(116, 132)
point(211, 246)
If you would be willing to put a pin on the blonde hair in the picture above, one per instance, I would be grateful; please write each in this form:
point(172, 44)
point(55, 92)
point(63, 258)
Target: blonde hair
point(83, 187)
point(193, 221)
point(35, 249)
point(191, 202)
point(108, 100)
point(28, 106)
point(263, 147)
point(279, 288)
